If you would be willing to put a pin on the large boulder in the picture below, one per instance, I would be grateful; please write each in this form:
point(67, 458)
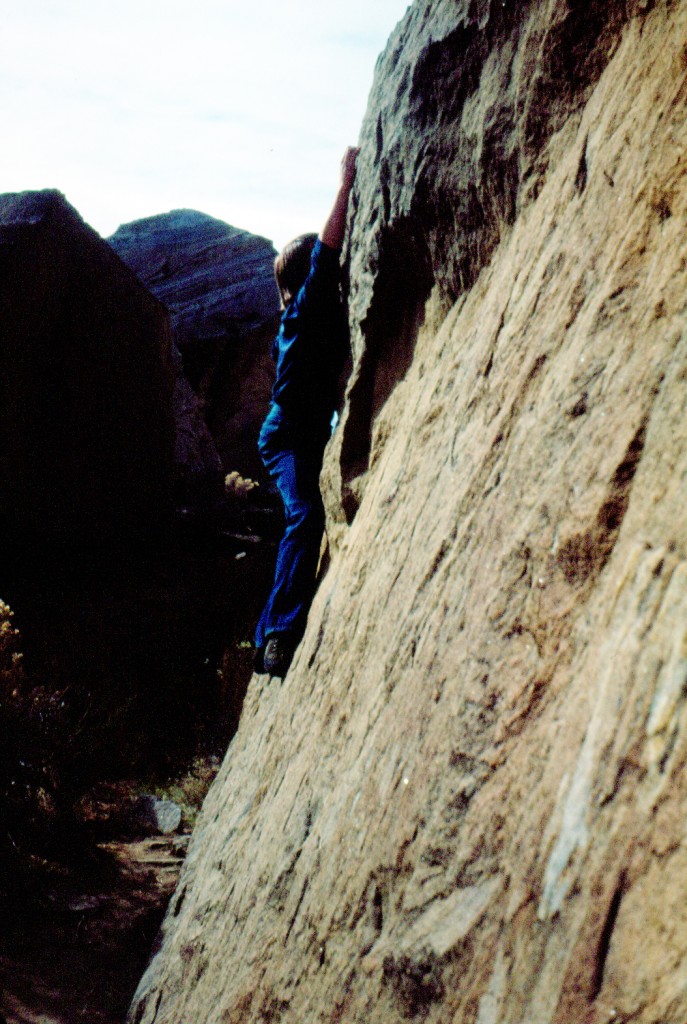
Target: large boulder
point(86, 430)
point(218, 284)
point(466, 802)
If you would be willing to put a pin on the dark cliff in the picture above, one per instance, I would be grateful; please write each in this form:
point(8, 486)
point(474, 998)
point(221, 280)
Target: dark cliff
point(85, 386)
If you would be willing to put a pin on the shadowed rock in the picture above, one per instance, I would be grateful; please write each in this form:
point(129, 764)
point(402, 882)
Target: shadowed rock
point(86, 429)
point(154, 816)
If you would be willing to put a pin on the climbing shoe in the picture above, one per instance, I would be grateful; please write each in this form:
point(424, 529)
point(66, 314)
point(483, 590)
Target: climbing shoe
point(277, 655)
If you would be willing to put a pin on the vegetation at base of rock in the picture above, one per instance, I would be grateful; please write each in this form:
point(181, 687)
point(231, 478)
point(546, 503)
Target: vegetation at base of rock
point(130, 672)
point(187, 788)
point(31, 719)
point(238, 485)
point(82, 892)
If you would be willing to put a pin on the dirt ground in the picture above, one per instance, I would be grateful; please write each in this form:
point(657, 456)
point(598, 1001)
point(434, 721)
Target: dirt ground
point(75, 950)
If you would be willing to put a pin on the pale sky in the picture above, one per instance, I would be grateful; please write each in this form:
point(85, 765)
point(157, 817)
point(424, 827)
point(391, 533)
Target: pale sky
point(238, 108)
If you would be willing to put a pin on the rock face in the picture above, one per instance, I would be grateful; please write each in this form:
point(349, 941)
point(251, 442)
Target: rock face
point(85, 384)
point(466, 802)
point(218, 284)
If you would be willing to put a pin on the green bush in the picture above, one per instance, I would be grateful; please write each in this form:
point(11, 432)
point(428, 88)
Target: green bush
point(188, 788)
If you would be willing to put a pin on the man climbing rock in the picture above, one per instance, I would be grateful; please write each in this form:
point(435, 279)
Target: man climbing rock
point(309, 351)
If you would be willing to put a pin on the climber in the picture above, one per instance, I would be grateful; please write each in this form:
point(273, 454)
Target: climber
point(309, 351)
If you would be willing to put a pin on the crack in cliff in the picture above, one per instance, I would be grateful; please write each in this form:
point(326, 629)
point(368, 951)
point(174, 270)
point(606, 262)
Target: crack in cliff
point(604, 944)
point(476, 132)
point(583, 556)
point(391, 326)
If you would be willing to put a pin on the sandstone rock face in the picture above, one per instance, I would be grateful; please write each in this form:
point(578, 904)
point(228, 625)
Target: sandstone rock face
point(85, 383)
point(218, 284)
point(466, 802)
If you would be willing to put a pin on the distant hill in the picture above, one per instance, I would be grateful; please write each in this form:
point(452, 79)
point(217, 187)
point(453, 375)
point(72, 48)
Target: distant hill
point(218, 284)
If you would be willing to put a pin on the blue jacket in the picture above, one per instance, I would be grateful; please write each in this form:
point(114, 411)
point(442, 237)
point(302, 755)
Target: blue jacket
point(309, 350)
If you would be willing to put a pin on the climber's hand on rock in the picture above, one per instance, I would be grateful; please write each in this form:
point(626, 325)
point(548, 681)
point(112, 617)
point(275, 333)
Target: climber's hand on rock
point(348, 166)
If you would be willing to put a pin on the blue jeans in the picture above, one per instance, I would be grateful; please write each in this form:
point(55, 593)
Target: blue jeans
point(296, 472)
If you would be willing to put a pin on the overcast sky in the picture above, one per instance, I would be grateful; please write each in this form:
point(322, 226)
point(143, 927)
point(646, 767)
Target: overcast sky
point(240, 109)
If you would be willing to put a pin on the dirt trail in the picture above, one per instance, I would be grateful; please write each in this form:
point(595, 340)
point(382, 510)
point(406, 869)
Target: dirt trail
point(73, 953)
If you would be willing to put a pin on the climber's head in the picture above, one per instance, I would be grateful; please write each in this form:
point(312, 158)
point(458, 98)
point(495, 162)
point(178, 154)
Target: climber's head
point(292, 265)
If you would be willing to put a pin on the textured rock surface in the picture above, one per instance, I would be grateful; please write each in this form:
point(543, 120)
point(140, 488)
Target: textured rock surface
point(196, 457)
point(155, 816)
point(85, 379)
point(218, 284)
point(466, 803)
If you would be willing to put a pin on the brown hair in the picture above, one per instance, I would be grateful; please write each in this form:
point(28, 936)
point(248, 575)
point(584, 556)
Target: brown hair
point(292, 265)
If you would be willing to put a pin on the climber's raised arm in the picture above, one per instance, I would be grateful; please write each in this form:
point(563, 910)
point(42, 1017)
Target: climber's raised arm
point(332, 234)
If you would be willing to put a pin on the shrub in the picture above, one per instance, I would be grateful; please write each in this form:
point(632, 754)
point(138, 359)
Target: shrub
point(28, 717)
point(239, 486)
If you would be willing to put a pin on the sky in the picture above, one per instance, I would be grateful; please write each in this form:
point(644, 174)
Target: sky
point(238, 108)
